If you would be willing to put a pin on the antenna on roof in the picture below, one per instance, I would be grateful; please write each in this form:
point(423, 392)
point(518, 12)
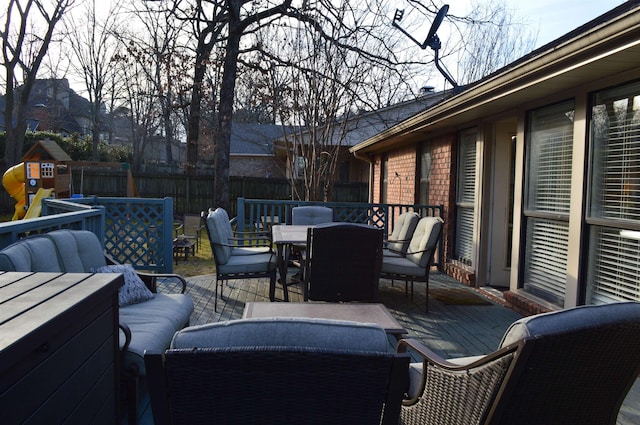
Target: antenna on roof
point(432, 39)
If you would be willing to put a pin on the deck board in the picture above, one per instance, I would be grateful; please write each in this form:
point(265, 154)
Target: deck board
point(448, 330)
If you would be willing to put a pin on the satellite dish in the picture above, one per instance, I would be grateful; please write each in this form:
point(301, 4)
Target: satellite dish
point(432, 37)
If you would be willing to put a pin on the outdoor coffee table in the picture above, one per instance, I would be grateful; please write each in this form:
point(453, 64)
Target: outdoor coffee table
point(183, 246)
point(356, 312)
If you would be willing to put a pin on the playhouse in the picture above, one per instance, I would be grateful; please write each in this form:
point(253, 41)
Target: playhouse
point(44, 172)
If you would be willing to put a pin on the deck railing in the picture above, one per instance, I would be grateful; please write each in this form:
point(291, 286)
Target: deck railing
point(137, 231)
point(76, 217)
point(260, 213)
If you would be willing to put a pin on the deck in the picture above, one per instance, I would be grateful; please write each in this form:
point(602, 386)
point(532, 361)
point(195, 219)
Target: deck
point(458, 328)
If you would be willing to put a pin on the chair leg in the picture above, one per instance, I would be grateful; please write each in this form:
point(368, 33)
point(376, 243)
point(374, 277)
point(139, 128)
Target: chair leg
point(131, 388)
point(215, 299)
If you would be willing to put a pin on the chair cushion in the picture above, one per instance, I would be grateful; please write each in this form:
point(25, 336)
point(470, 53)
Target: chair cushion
point(424, 240)
point(285, 332)
point(403, 229)
point(248, 264)
point(81, 250)
point(134, 290)
point(219, 235)
point(311, 214)
point(572, 319)
point(401, 265)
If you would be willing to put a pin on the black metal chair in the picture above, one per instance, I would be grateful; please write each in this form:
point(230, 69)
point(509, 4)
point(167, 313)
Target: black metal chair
point(278, 371)
point(414, 264)
point(343, 262)
point(573, 366)
point(239, 258)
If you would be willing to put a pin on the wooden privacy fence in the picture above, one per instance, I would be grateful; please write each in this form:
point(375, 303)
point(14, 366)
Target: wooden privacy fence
point(191, 194)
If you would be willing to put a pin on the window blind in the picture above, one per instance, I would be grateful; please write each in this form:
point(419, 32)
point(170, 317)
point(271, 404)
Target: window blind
point(613, 271)
point(549, 144)
point(466, 195)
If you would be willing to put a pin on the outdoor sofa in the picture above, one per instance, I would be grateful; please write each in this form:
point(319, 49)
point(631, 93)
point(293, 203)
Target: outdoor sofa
point(148, 320)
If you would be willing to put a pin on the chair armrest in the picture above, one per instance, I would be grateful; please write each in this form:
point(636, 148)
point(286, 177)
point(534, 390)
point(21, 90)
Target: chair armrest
point(452, 393)
point(151, 279)
point(127, 337)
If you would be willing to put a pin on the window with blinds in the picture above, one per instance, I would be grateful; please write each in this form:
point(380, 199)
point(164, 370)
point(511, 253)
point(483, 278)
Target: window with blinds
point(425, 171)
point(466, 196)
point(614, 206)
point(549, 150)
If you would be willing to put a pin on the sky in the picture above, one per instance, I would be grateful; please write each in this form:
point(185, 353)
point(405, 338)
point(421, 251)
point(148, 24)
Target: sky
point(553, 18)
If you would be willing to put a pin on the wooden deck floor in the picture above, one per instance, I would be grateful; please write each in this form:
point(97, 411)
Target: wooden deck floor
point(449, 330)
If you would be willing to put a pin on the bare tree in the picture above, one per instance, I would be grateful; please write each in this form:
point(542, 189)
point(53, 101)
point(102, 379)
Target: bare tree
point(94, 46)
point(27, 33)
point(493, 36)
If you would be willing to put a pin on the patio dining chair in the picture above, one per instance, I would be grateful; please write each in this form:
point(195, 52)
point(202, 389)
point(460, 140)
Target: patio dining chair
point(398, 242)
point(415, 263)
point(238, 258)
point(342, 262)
point(573, 366)
point(278, 371)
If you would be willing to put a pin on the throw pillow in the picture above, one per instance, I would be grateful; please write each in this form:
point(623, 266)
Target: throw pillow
point(134, 290)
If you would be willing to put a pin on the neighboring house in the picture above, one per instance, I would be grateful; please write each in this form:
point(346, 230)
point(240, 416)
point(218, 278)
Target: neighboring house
point(538, 169)
point(252, 153)
point(55, 107)
point(360, 127)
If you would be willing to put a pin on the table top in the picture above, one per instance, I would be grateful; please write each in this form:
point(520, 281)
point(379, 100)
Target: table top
point(356, 312)
point(289, 233)
point(28, 300)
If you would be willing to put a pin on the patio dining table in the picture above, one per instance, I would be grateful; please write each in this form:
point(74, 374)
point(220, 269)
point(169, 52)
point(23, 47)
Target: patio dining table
point(284, 236)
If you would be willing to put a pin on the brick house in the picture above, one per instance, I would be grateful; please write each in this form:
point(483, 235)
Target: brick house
point(538, 168)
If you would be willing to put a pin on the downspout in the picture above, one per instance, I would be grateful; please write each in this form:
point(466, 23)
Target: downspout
point(368, 158)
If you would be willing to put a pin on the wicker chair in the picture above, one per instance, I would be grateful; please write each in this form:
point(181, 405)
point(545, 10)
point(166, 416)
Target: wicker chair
point(343, 262)
point(278, 371)
point(568, 367)
point(248, 258)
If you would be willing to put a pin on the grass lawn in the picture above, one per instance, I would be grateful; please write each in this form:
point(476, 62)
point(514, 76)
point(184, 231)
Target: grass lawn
point(201, 263)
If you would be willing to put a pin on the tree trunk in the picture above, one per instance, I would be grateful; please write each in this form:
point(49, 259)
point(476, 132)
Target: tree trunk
point(225, 113)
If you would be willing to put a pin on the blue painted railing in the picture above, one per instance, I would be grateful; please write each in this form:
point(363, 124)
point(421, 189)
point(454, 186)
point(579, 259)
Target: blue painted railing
point(77, 217)
point(137, 231)
point(259, 213)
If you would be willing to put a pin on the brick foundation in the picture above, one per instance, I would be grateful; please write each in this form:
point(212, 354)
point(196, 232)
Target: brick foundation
point(523, 305)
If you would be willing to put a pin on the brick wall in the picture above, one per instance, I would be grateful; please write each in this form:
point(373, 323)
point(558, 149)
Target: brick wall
point(247, 166)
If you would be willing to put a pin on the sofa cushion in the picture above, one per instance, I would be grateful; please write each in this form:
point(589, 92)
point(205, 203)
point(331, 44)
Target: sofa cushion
point(36, 254)
point(153, 324)
point(583, 317)
point(80, 250)
point(285, 332)
point(134, 290)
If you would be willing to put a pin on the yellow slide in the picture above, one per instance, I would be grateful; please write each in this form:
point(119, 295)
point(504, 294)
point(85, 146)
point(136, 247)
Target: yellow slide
point(35, 207)
point(13, 182)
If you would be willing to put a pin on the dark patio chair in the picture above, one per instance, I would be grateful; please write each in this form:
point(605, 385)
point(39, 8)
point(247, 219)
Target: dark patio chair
point(415, 263)
point(342, 262)
point(574, 366)
point(238, 258)
point(278, 371)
